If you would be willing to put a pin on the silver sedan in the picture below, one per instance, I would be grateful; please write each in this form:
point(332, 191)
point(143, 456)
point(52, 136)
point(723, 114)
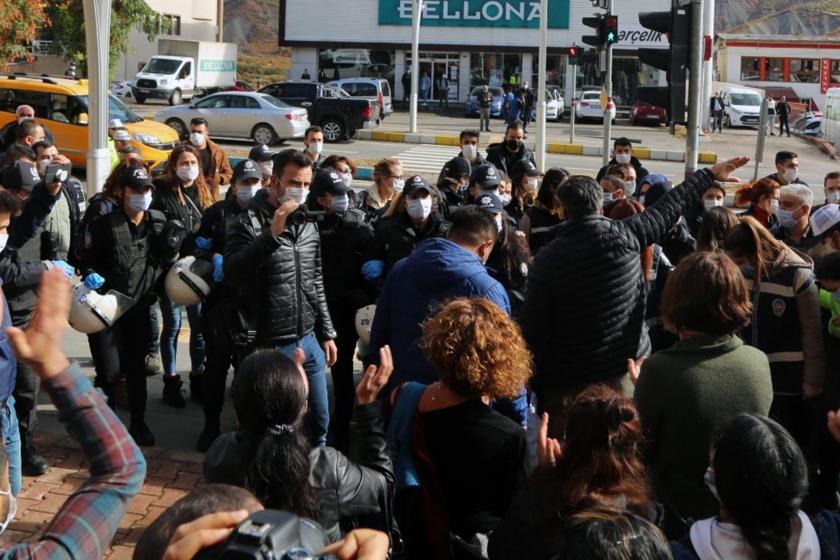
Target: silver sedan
point(235, 114)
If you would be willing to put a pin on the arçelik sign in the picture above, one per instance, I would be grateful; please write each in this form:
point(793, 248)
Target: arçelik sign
point(476, 13)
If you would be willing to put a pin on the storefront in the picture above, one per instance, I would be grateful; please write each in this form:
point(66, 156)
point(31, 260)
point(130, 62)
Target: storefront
point(470, 42)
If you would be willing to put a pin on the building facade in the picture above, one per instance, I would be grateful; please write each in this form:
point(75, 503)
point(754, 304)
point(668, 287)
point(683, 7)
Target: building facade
point(471, 42)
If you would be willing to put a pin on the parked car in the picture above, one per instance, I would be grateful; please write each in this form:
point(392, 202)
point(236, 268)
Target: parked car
point(330, 108)
point(379, 70)
point(373, 89)
point(644, 113)
point(240, 115)
point(589, 106)
point(554, 106)
point(471, 105)
point(122, 90)
point(812, 126)
point(741, 106)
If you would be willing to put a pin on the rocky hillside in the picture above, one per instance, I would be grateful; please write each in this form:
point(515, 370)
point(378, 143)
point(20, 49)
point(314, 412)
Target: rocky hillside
point(778, 17)
point(252, 24)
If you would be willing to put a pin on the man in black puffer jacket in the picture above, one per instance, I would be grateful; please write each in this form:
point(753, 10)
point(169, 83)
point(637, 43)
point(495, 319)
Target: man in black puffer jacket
point(274, 252)
point(579, 319)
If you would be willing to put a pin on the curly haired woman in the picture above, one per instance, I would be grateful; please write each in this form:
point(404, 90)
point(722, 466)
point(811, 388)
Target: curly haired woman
point(460, 462)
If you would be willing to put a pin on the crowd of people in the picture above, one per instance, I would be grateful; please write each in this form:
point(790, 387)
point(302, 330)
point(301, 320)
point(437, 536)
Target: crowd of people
point(553, 365)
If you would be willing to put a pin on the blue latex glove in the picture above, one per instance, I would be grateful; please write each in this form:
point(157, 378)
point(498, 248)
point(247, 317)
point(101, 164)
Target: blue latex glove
point(68, 270)
point(203, 243)
point(94, 281)
point(218, 273)
point(372, 270)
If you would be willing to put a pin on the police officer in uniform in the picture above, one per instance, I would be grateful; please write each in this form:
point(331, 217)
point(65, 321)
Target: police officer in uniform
point(218, 309)
point(345, 239)
point(452, 184)
point(127, 251)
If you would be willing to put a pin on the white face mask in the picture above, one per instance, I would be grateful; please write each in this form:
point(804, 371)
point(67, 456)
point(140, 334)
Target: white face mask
point(246, 192)
point(297, 194)
point(399, 185)
point(790, 174)
point(774, 206)
point(419, 208)
point(833, 197)
point(498, 219)
point(347, 178)
point(187, 172)
point(197, 139)
point(608, 197)
point(533, 183)
point(140, 202)
point(10, 516)
point(470, 151)
point(642, 199)
point(713, 203)
point(267, 169)
point(622, 158)
point(4, 239)
point(629, 186)
point(42, 165)
point(315, 148)
point(340, 203)
point(505, 198)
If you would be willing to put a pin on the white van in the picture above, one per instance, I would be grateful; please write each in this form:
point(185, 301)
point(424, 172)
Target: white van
point(741, 106)
point(373, 89)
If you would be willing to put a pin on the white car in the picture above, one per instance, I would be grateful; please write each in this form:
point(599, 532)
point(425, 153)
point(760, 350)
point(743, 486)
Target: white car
point(240, 114)
point(122, 90)
point(589, 106)
point(554, 107)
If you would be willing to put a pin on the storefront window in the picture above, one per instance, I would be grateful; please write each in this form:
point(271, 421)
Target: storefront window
point(773, 69)
point(435, 66)
point(495, 69)
point(804, 70)
point(749, 69)
point(835, 71)
point(555, 70)
point(337, 64)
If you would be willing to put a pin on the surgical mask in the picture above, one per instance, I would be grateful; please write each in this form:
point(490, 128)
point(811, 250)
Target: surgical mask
point(622, 158)
point(774, 206)
point(498, 219)
point(713, 203)
point(470, 151)
point(246, 192)
point(505, 198)
point(297, 194)
point(629, 186)
point(197, 139)
point(419, 208)
point(187, 172)
point(533, 183)
point(399, 185)
point(315, 148)
point(4, 239)
point(513, 144)
point(832, 197)
point(785, 217)
point(340, 204)
point(267, 169)
point(140, 202)
point(42, 165)
point(10, 516)
point(790, 174)
point(347, 178)
point(642, 199)
point(608, 197)
point(710, 483)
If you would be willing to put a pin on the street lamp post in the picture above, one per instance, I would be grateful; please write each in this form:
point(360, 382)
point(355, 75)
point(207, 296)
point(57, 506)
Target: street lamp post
point(97, 38)
point(416, 15)
point(541, 92)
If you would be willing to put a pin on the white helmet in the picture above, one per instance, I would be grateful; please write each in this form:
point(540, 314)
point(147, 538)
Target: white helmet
point(91, 312)
point(364, 322)
point(189, 281)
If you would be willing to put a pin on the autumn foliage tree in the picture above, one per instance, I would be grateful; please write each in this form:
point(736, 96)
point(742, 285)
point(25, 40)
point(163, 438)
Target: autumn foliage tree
point(20, 21)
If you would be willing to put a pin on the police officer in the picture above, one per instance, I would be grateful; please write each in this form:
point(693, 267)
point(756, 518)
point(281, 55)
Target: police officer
point(262, 155)
point(452, 184)
point(219, 307)
point(345, 239)
point(127, 251)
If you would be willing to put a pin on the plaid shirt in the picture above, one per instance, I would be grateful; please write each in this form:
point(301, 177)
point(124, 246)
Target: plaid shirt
point(86, 523)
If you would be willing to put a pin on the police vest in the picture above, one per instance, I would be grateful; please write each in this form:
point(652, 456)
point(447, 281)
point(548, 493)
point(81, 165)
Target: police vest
point(136, 262)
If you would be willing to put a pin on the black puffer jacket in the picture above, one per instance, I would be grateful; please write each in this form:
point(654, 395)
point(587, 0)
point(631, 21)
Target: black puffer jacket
point(498, 155)
point(354, 490)
point(580, 319)
point(284, 272)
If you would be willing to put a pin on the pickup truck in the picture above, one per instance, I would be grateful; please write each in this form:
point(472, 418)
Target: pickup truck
point(338, 114)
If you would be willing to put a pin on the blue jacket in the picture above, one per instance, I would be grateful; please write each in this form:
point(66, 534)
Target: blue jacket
point(436, 271)
point(8, 365)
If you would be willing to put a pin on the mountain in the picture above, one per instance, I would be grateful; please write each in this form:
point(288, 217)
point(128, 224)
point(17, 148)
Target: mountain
point(253, 25)
point(778, 17)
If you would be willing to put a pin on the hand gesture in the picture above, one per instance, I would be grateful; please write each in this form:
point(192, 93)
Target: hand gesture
point(375, 377)
point(278, 223)
point(723, 170)
point(360, 544)
point(39, 346)
point(204, 532)
point(634, 368)
point(548, 449)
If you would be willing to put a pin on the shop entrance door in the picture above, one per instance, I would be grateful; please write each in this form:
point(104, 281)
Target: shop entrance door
point(432, 68)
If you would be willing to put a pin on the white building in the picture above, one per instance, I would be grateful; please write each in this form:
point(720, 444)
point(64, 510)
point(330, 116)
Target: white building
point(472, 41)
point(195, 20)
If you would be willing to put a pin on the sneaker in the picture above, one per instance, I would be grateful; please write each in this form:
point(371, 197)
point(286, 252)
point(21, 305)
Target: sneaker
point(207, 437)
point(197, 385)
point(32, 463)
point(154, 365)
point(141, 433)
point(172, 394)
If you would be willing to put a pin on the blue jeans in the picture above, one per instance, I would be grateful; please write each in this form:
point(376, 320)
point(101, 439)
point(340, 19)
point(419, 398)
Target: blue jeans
point(11, 438)
point(169, 335)
point(315, 366)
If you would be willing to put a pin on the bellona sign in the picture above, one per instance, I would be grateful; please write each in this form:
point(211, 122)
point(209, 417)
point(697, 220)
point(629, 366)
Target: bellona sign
point(476, 13)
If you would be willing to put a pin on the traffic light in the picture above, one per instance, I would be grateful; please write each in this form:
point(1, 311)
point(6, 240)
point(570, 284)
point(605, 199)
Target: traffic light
point(595, 23)
point(609, 34)
point(676, 24)
point(573, 56)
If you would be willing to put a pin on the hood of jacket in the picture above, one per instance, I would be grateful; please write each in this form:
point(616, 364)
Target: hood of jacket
point(436, 264)
point(713, 540)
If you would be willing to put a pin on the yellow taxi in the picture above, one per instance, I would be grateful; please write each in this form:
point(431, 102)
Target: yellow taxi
point(61, 104)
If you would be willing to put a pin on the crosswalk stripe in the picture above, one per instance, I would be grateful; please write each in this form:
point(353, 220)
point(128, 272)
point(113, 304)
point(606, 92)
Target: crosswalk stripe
point(426, 158)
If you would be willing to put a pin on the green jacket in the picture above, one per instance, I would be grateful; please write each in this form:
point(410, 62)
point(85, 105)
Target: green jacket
point(685, 395)
point(834, 306)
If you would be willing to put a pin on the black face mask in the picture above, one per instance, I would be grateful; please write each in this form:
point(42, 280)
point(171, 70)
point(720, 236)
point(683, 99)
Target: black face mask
point(513, 144)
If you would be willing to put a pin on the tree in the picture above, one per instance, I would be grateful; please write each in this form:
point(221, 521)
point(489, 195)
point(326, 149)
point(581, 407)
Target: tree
point(20, 21)
point(68, 28)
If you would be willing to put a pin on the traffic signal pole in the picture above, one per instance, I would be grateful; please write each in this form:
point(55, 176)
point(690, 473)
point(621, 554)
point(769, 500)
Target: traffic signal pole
point(574, 105)
point(541, 87)
point(692, 139)
point(416, 15)
point(608, 88)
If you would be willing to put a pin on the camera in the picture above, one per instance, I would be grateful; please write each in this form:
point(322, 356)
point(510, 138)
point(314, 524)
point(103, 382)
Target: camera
point(304, 214)
point(272, 535)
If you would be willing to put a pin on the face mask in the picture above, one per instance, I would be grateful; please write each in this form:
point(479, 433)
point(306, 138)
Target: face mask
point(399, 185)
point(709, 204)
point(470, 152)
point(347, 178)
point(4, 239)
point(247, 192)
point(315, 148)
point(42, 165)
point(774, 206)
point(140, 202)
point(785, 217)
point(267, 169)
point(629, 186)
point(296, 194)
point(622, 158)
point(197, 139)
point(608, 197)
point(340, 204)
point(513, 144)
point(419, 208)
point(498, 223)
point(12, 510)
point(533, 183)
point(642, 199)
point(505, 198)
point(710, 483)
point(832, 197)
point(790, 174)
point(187, 172)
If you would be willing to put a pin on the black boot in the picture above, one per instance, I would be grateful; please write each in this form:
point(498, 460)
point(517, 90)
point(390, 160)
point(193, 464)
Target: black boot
point(208, 434)
point(172, 394)
point(141, 433)
point(197, 385)
point(32, 463)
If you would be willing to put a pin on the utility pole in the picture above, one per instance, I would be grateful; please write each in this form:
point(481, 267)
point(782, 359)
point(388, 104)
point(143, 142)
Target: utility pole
point(608, 88)
point(708, 65)
point(692, 140)
point(416, 15)
point(573, 111)
point(220, 20)
point(97, 40)
point(541, 91)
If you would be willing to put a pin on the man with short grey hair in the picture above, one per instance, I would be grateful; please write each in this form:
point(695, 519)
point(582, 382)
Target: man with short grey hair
point(794, 215)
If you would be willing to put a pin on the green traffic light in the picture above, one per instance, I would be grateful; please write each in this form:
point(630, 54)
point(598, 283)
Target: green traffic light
point(611, 37)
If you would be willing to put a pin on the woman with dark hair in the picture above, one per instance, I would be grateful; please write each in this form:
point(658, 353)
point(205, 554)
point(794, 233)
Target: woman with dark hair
point(346, 169)
point(509, 260)
point(525, 180)
point(606, 533)
point(596, 464)
point(182, 194)
point(270, 455)
point(761, 200)
point(760, 477)
point(687, 393)
point(539, 220)
point(714, 226)
point(786, 321)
